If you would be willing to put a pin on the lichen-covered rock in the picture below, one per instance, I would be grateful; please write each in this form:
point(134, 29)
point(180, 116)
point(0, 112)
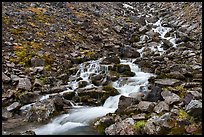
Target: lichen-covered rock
point(125, 127)
point(41, 111)
point(194, 108)
point(105, 122)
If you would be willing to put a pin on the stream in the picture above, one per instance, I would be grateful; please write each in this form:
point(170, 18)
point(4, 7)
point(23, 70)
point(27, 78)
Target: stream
point(77, 121)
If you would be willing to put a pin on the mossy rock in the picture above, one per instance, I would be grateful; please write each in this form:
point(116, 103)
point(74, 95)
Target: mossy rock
point(110, 90)
point(139, 125)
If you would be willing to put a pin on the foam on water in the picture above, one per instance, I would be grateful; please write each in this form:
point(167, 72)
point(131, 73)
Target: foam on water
point(83, 115)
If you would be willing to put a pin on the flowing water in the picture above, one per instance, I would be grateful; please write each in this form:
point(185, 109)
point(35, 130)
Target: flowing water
point(77, 121)
point(79, 118)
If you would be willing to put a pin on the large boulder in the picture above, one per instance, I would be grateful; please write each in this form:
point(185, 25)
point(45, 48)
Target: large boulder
point(170, 97)
point(41, 111)
point(125, 102)
point(154, 95)
point(146, 106)
point(125, 127)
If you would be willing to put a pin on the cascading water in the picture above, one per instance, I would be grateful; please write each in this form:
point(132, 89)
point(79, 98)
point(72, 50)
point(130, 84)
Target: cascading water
point(81, 116)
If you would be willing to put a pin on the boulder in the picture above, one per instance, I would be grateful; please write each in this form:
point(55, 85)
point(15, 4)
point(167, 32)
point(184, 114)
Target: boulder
point(161, 106)
point(125, 102)
point(170, 97)
point(125, 127)
point(141, 116)
point(28, 97)
point(111, 60)
point(154, 95)
point(24, 83)
point(82, 84)
point(41, 111)
point(146, 106)
point(194, 108)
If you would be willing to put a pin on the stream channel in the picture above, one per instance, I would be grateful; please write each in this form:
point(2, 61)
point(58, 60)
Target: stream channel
point(77, 121)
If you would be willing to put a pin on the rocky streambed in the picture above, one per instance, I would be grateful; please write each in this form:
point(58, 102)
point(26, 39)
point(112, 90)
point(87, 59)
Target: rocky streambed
point(114, 68)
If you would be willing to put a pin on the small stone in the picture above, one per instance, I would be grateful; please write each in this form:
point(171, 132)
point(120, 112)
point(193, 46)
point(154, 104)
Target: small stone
point(139, 116)
point(14, 106)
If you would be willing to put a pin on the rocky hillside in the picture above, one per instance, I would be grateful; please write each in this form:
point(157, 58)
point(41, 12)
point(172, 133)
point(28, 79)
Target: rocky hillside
point(43, 43)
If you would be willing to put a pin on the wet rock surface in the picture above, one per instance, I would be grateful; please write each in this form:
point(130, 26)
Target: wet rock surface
point(44, 42)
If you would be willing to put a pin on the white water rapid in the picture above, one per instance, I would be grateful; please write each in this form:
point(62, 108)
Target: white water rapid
point(80, 116)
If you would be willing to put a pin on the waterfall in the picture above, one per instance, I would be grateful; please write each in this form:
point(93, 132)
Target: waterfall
point(82, 116)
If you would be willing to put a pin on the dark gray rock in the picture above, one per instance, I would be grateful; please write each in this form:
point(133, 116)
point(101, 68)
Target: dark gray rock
point(124, 102)
point(24, 83)
point(82, 84)
point(154, 95)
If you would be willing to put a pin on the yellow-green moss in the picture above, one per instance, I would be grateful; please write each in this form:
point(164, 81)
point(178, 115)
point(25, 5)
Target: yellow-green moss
point(183, 114)
point(139, 125)
point(17, 31)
